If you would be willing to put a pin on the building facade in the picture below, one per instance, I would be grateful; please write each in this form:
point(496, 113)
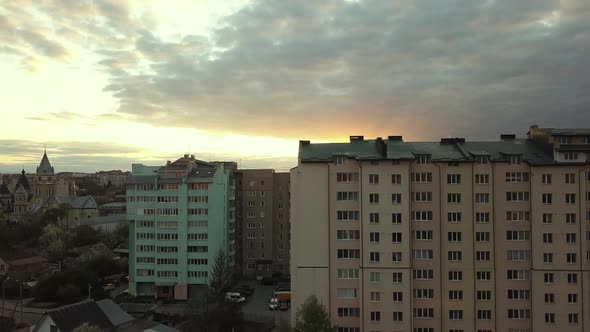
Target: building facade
point(179, 218)
point(264, 217)
point(445, 236)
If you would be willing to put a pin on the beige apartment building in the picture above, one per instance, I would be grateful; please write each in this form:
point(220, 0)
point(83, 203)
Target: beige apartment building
point(264, 215)
point(445, 236)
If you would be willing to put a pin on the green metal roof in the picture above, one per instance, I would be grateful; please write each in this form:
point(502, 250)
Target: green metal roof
point(456, 151)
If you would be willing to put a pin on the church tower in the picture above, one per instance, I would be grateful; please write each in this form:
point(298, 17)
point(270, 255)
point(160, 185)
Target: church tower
point(44, 181)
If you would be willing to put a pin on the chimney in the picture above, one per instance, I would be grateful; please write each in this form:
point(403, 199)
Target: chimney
point(302, 143)
point(381, 147)
point(192, 156)
point(357, 138)
point(186, 155)
point(507, 137)
point(395, 138)
point(168, 162)
point(452, 140)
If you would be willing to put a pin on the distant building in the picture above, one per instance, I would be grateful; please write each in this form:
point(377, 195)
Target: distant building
point(78, 208)
point(112, 208)
point(179, 218)
point(264, 215)
point(115, 178)
point(452, 235)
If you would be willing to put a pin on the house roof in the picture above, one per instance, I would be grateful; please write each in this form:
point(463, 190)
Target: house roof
point(569, 131)
point(22, 180)
point(28, 261)
point(114, 313)
point(69, 317)
point(4, 189)
point(45, 167)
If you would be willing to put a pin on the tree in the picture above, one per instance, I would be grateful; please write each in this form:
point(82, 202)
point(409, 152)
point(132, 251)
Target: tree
point(311, 316)
point(220, 280)
point(85, 235)
point(88, 328)
point(68, 293)
point(283, 326)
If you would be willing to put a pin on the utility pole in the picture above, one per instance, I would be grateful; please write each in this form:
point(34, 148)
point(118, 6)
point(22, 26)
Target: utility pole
point(89, 290)
point(21, 301)
point(2, 321)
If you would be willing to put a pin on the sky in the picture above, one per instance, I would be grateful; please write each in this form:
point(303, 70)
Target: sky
point(106, 83)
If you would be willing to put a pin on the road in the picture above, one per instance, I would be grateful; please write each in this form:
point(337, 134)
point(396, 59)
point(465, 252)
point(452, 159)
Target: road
point(257, 305)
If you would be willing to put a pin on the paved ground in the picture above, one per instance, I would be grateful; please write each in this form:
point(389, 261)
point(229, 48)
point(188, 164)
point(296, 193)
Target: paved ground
point(257, 305)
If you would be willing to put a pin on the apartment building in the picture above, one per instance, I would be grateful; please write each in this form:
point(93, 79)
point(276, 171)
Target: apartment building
point(180, 215)
point(264, 214)
point(445, 236)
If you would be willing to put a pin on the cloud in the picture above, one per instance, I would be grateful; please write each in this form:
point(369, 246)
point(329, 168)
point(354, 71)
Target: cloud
point(299, 69)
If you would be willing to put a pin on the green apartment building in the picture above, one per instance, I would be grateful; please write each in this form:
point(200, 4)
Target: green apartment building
point(180, 215)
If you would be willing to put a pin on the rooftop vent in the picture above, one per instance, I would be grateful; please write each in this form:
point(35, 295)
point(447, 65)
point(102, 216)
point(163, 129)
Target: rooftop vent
point(357, 138)
point(507, 137)
point(452, 140)
point(186, 155)
point(395, 138)
point(304, 143)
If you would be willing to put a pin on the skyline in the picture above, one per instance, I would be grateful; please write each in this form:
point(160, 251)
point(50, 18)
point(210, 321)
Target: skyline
point(106, 83)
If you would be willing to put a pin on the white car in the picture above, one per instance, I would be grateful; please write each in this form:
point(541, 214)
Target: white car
point(273, 304)
point(234, 297)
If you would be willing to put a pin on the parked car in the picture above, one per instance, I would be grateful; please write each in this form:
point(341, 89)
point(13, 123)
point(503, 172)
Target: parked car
point(273, 304)
point(283, 296)
point(234, 297)
point(245, 290)
point(283, 306)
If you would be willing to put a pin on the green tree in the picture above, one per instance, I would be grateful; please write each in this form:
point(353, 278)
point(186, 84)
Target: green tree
point(68, 293)
point(311, 316)
point(84, 235)
point(216, 317)
point(88, 328)
point(220, 280)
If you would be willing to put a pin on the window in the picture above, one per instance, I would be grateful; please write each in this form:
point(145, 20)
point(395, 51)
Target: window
point(338, 160)
point(484, 295)
point(373, 218)
point(349, 312)
point(398, 316)
point(422, 235)
point(396, 256)
point(564, 139)
point(373, 178)
point(482, 198)
point(549, 298)
point(517, 275)
point(397, 277)
point(422, 177)
point(550, 318)
point(348, 253)
point(423, 254)
point(396, 198)
point(347, 215)
point(483, 275)
point(347, 177)
point(454, 236)
point(482, 160)
point(572, 278)
point(514, 159)
point(396, 237)
point(423, 293)
point(375, 316)
point(453, 164)
point(572, 318)
point(570, 198)
point(396, 179)
point(374, 237)
point(348, 273)
point(517, 177)
point(374, 198)
point(517, 196)
point(455, 275)
point(397, 297)
point(454, 256)
point(396, 218)
point(453, 178)
point(518, 235)
point(482, 236)
point(549, 278)
point(570, 258)
point(423, 312)
point(346, 293)
point(570, 178)
point(423, 274)
point(572, 298)
point(346, 196)
point(454, 217)
point(518, 255)
point(484, 314)
point(425, 196)
point(546, 178)
point(482, 256)
point(455, 295)
point(547, 237)
point(422, 159)
point(482, 179)
point(570, 238)
point(454, 198)
point(375, 296)
point(519, 313)
point(547, 218)
point(375, 277)
point(482, 217)
point(422, 215)
point(455, 314)
point(340, 234)
point(517, 215)
point(374, 257)
point(547, 198)
point(547, 258)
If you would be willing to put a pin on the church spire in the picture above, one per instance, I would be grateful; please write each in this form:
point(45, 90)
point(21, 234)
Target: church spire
point(45, 167)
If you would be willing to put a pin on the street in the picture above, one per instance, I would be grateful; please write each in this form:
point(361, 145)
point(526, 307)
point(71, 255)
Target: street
point(257, 305)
